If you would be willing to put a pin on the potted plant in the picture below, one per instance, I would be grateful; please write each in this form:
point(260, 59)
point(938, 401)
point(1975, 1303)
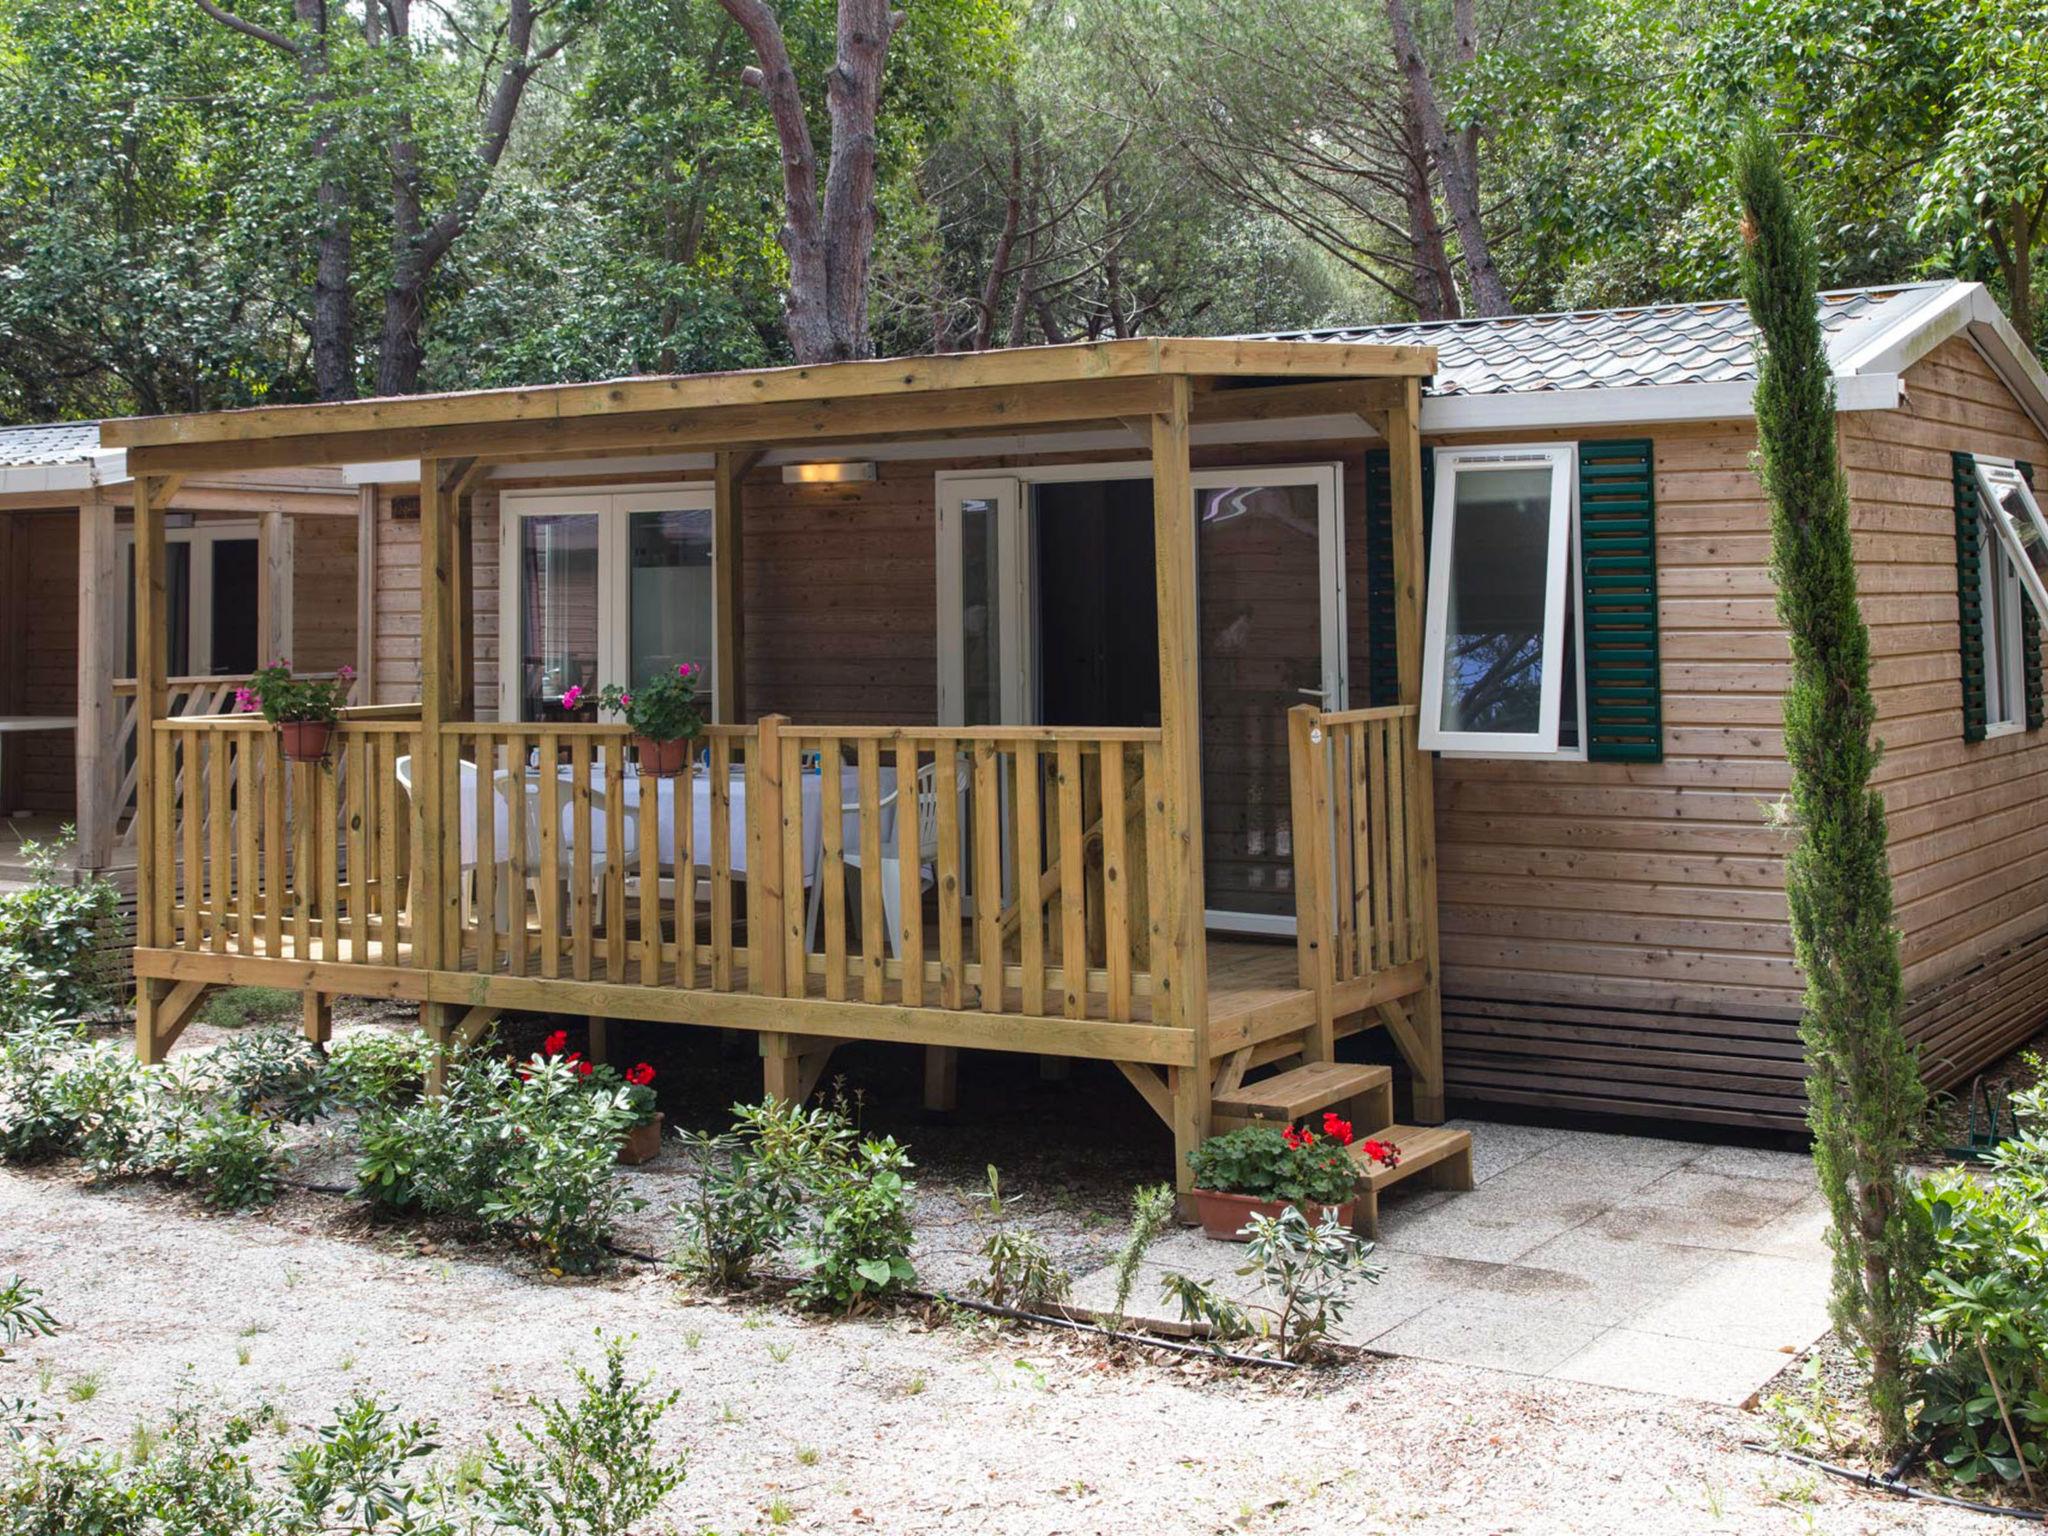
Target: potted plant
point(664, 715)
point(643, 1137)
point(303, 709)
point(1263, 1169)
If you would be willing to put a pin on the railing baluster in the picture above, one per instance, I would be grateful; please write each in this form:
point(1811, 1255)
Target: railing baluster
point(650, 877)
point(518, 853)
point(796, 878)
point(873, 923)
point(614, 748)
point(685, 856)
point(485, 810)
point(220, 824)
point(832, 864)
point(583, 856)
point(1030, 862)
point(1158, 966)
point(550, 855)
point(1116, 891)
point(246, 822)
point(195, 825)
point(389, 897)
point(1374, 740)
point(721, 863)
point(354, 749)
point(946, 776)
point(329, 835)
point(1073, 885)
point(909, 873)
point(275, 851)
point(1397, 844)
point(988, 872)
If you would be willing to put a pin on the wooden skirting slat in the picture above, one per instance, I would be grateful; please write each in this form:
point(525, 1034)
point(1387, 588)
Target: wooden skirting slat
point(1968, 1021)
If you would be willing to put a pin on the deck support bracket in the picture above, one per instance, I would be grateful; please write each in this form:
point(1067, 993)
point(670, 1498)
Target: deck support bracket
point(162, 1010)
point(1428, 1088)
point(316, 1019)
point(792, 1064)
point(1152, 1086)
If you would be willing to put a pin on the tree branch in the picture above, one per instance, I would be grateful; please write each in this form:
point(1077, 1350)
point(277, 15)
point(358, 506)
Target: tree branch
point(248, 28)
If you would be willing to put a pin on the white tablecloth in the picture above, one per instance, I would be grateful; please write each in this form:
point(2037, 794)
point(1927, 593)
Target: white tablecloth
point(700, 817)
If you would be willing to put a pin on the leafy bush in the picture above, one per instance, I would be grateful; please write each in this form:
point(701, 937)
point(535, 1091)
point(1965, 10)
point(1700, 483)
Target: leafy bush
point(1305, 1273)
point(1984, 1362)
point(859, 1246)
point(34, 1121)
point(59, 940)
point(1020, 1270)
point(235, 1160)
point(379, 1069)
point(277, 1072)
point(1151, 1213)
point(530, 1152)
point(752, 1186)
point(593, 1471)
point(239, 1007)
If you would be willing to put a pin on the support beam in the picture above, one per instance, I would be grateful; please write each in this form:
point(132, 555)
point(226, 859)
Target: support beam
point(1404, 456)
point(792, 1064)
point(434, 886)
point(728, 577)
point(99, 768)
point(162, 1010)
point(366, 595)
point(1179, 944)
point(154, 869)
point(316, 1019)
point(941, 1079)
point(274, 587)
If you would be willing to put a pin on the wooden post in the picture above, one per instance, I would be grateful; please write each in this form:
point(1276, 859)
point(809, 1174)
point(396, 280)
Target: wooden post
point(1404, 457)
point(1309, 777)
point(274, 589)
point(432, 886)
point(366, 596)
point(941, 1079)
point(316, 1020)
point(728, 579)
point(1180, 962)
point(152, 839)
point(463, 705)
point(99, 660)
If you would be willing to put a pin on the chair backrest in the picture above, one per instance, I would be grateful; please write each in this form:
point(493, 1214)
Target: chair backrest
point(404, 767)
point(928, 812)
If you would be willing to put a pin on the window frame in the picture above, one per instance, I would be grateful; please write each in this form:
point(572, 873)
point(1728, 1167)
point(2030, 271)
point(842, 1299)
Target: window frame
point(614, 508)
point(1992, 475)
point(1564, 576)
point(2002, 565)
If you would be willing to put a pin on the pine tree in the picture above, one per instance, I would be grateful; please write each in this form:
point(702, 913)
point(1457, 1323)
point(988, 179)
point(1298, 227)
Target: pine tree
point(1863, 1083)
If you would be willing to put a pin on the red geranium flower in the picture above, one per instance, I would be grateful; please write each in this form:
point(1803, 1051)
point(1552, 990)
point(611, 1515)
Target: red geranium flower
point(553, 1045)
point(1338, 1130)
point(1383, 1152)
point(640, 1076)
point(584, 1069)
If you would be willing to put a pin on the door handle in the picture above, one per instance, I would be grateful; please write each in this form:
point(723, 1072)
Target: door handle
point(1313, 693)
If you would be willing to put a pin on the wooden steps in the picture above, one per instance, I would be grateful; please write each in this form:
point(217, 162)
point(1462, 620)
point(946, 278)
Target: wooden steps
point(1308, 1090)
point(1442, 1153)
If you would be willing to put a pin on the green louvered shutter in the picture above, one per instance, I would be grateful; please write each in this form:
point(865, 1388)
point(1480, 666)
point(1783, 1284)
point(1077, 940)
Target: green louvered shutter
point(1969, 593)
point(1618, 586)
point(2030, 639)
point(1383, 675)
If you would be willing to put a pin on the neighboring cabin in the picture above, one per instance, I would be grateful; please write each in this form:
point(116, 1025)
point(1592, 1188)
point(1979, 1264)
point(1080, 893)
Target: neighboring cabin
point(264, 565)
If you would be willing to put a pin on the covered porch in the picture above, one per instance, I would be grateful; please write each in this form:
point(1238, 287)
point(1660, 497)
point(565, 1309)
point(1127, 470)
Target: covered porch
point(1011, 887)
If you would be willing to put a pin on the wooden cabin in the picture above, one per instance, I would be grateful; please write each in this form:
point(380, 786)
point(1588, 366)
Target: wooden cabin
point(1123, 619)
point(259, 565)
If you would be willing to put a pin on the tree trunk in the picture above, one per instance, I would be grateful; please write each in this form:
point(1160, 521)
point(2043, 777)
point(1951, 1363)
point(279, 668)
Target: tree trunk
point(829, 242)
point(1006, 240)
point(1433, 283)
point(1461, 194)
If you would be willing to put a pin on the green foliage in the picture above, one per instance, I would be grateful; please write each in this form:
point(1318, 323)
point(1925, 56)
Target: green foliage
point(1863, 1083)
point(58, 939)
point(240, 1007)
point(589, 1469)
point(35, 1122)
point(22, 1313)
point(1020, 1271)
point(1152, 1207)
point(859, 1244)
point(592, 1467)
point(1260, 1160)
point(234, 1159)
point(379, 1069)
point(276, 1072)
point(662, 707)
point(1306, 1278)
point(530, 1153)
point(283, 697)
point(1985, 1357)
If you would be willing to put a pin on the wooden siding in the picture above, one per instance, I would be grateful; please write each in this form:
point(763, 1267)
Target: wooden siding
point(395, 608)
point(323, 592)
point(1969, 829)
point(1615, 935)
point(41, 672)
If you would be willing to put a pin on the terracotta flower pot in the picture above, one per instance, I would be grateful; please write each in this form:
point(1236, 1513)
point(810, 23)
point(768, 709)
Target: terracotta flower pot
point(1223, 1216)
point(642, 1143)
point(662, 759)
point(306, 741)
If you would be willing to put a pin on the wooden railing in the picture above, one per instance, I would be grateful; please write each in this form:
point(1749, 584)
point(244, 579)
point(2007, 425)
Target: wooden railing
point(187, 698)
point(986, 870)
point(1361, 843)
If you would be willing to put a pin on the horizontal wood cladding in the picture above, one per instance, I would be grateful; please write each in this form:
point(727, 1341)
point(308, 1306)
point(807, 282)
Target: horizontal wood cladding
point(323, 593)
point(40, 584)
point(1968, 820)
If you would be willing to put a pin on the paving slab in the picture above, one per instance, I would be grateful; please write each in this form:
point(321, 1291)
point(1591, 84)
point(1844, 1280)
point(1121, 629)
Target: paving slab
point(1667, 1267)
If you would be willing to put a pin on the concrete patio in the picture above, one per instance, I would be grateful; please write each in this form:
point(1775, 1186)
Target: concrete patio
point(1670, 1267)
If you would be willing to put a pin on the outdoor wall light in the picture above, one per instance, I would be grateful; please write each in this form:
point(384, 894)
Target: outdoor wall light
point(840, 473)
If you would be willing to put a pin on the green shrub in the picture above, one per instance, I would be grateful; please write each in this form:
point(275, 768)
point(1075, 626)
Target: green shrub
point(22, 1313)
point(235, 1160)
point(593, 1469)
point(34, 1121)
point(1306, 1276)
point(60, 937)
point(1984, 1362)
point(752, 1185)
point(1151, 1213)
point(358, 1474)
point(1019, 1269)
point(276, 1072)
point(377, 1069)
point(859, 1245)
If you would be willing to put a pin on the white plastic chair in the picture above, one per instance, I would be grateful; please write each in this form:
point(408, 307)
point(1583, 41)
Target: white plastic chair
point(927, 790)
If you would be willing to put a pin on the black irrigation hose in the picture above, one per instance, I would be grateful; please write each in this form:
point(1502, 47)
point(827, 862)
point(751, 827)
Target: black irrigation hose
point(1888, 1482)
point(1148, 1341)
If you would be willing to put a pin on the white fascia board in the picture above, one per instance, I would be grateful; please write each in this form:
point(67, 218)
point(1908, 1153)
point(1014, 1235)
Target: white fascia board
point(1968, 310)
point(51, 479)
point(1636, 404)
point(382, 472)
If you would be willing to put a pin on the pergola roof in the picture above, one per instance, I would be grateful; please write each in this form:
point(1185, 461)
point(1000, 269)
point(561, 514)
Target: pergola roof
point(1017, 386)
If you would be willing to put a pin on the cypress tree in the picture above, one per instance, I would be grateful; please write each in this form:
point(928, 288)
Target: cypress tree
point(1863, 1083)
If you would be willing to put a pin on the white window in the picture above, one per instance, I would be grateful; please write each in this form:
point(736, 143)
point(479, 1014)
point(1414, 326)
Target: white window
point(212, 598)
point(606, 587)
point(2012, 559)
point(1501, 668)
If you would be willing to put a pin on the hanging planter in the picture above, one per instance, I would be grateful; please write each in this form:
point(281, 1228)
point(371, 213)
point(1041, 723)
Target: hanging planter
point(304, 709)
point(665, 717)
point(306, 741)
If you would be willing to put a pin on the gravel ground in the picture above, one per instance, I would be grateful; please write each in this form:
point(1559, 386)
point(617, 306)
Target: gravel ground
point(895, 1423)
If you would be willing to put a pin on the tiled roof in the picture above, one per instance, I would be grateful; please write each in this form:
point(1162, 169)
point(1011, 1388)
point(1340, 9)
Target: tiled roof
point(1703, 343)
point(63, 442)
